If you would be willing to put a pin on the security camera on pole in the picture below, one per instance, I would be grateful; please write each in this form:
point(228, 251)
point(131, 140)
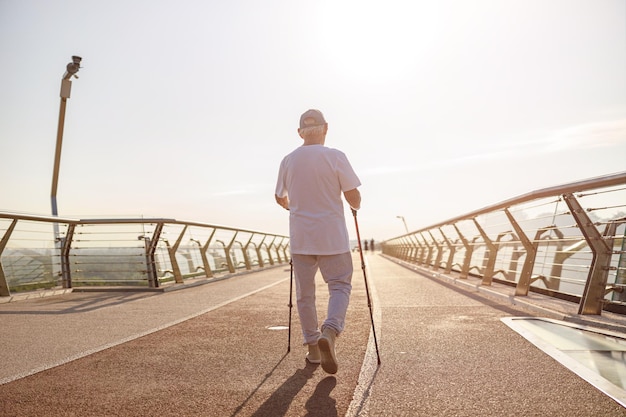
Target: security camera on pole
point(66, 87)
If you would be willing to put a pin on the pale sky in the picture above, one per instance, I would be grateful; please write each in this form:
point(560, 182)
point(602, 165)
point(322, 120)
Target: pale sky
point(184, 109)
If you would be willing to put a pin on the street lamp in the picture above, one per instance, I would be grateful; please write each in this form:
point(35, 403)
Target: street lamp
point(403, 221)
point(66, 86)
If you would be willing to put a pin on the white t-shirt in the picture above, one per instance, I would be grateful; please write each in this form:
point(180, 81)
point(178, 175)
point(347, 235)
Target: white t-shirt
point(314, 178)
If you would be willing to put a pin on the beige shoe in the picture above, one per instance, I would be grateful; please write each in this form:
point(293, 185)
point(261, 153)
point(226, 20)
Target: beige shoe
point(326, 344)
point(314, 354)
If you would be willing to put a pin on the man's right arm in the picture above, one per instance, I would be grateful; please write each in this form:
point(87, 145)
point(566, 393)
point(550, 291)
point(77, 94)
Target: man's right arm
point(353, 197)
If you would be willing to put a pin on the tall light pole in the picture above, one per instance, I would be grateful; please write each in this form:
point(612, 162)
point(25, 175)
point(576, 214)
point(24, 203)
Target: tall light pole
point(66, 87)
point(403, 221)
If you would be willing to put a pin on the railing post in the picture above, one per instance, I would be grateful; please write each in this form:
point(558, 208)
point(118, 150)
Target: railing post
point(269, 250)
point(284, 248)
point(595, 287)
point(246, 257)
point(150, 247)
point(171, 250)
point(397, 249)
point(439, 251)
point(229, 260)
point(620, 279)
point(423, 250)
point(429, 256)
point(246, 264)
point(451, 250)
point(4, 285)
point(406, 249)
point(523, 285)
point(150, 270)
point(259, 254)
point(203, 253)
point(414, 243)
point(492, 253)
point(206, 266)
point(66, 246)
point(467, 259)
point(280, 245)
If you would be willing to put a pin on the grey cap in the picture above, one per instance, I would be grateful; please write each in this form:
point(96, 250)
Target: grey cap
point(312, 117)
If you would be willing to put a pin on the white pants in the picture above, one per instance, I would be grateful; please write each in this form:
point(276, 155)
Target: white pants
point(337, 273)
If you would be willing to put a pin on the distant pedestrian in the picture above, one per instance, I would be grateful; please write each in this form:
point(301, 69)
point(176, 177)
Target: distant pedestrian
point(372, 245)
point(365, 245)
point(311, 180)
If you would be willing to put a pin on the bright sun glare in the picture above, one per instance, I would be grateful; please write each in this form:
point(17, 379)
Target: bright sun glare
point(374, 41)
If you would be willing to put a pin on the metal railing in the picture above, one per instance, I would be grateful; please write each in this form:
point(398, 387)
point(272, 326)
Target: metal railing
point(45, 251)
point(565, 241)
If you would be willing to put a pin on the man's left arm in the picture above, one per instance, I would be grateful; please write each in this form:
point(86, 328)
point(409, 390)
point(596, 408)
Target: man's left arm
point(282, 201)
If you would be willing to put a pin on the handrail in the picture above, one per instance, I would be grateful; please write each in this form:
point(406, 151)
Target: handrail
point(105, 251)
point(585, 185)
point(114, 220)
point(594, 223)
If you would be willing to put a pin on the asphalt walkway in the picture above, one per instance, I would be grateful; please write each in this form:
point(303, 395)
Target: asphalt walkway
point(220, 349)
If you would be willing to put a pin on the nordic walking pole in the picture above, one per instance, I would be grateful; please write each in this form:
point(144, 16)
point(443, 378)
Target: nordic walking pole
point(290, 304)
point(367, 290)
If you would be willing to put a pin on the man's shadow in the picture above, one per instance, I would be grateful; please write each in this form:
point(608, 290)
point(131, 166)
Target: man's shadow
point(320, 403)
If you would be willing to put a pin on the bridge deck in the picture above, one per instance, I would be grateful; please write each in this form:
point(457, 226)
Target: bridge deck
point(218, 350)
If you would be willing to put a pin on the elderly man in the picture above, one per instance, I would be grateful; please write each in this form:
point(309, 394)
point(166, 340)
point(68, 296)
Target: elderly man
point(311, 180)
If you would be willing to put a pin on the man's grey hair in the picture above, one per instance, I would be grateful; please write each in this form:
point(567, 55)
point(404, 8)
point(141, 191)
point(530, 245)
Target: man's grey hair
point(312, 131)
